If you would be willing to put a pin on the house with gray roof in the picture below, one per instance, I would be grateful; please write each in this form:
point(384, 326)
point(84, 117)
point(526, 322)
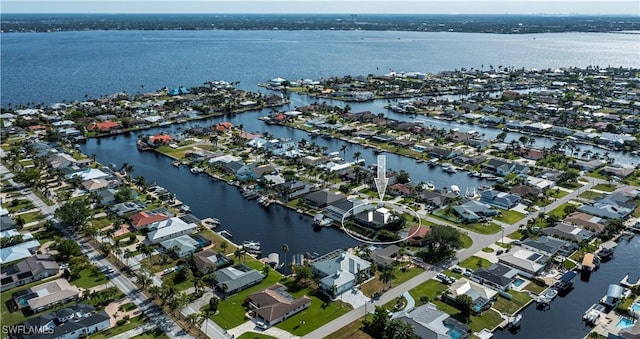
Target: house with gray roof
point(611, 206)
point(47, 295)
point(231, 280)
point(527, 262)
point(499, 199)
point(437, 199)
point(31, 269)
point(430, 323)
point(169, 229)
point(323, 198)
point(274, 304)
point(474, 211)
point(385, 256)
point(569, 232)
point(72, 322)
point(345, 208)
point(496, 276)
point(546, 245)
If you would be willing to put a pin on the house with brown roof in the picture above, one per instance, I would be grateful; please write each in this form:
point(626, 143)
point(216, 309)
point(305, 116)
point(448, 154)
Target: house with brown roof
point(159, 139)
point(273, 304)
point(416, 234)
point(210, 260)
point(585, 220)
point(143, 219)
point(104, 126)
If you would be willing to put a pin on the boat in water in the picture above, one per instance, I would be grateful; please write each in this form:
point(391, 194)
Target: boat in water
point(449, 169)
point(252, 246)
point(226, 234)
point(433, 162)
point(456, 190)
point(514, 321)
point(592, 315)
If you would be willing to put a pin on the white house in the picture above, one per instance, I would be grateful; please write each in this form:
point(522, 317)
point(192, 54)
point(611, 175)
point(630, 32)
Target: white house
point(168, 229)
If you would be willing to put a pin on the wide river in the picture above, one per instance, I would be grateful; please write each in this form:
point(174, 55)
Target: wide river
point(67, 66)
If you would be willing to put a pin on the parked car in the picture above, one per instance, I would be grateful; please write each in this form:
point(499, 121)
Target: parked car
point(441, 277)
point(261, 325)
point(467, 273)
point(457, 269)
point(498, 252)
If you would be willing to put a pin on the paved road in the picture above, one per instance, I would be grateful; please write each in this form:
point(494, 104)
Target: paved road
point(480, 241)
point(152, 311)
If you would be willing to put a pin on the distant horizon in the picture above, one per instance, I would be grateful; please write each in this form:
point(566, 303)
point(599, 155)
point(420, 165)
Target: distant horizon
point(307, 7)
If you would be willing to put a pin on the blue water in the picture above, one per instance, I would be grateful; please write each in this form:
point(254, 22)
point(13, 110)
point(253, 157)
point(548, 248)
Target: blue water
point(635, 307)
point(624, 323)
point(517, 282)
point(454, 332)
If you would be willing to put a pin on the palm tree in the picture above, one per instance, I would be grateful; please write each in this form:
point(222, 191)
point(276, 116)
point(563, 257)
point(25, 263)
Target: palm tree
point(356, 156)
point(343, 149)
point(155, 291)
point(238, 253)
point(223, 246)
point(197, 284)
point(144, 280)
point(386, 275)
point(285, 249)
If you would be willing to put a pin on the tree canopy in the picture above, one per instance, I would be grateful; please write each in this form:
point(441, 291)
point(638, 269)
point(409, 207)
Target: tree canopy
point(73, 214)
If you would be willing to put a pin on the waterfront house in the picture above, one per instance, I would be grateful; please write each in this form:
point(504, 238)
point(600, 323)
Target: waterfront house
point(499, 199)
point(593, 223)
point(338, 210)
point(400, 190)
point(620, 172)
point(31, 269)
point(60, 160)
point(273, 304)
point(168, 229)
point(321, 199)
point(375, 218)
point(590, 165)
point(106, 196)
point(569, 232)
point(340, 271)
point(502, 167)
point(104, 126)
point(209, 260)
point(73, 322)
point(47, 295)
point(124, 208)
point(496, 276)
point(181, 246)
point(527, 262)
point(88, 174)
point(479, 144)
point(430, 323)
point(547, 246)
point(291, 190)
point(437, 199)
point(143, 219)
point(231, 280)
point(610, 206)
point(474, 211)
point(481, 296)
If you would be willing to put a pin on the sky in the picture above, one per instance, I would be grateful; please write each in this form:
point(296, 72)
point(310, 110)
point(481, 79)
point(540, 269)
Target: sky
point(627, 7)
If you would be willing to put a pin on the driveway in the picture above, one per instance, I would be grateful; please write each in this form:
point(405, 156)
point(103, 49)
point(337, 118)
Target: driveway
point(354, 297)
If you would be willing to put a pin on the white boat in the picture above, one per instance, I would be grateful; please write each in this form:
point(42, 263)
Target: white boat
point(226, 234)
point(592, 315)
point(449, 169)
point(550, 294)
point(252, 246)
point(514, 321)
point(185, 209)
point(455, 189)
point(196, 170)
point(429, 186)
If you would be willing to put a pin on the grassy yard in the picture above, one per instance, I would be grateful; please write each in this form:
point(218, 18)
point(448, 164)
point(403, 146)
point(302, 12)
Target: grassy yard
point(559, 211)
point(90, 277)
point(488, 319)
point(155, 334)
point(133, 323)
point(20, 204)
point(490, 228)
point(472, 263)
point(254, 335)
point(181, 286)
point(510, 217)
point(591, 195)
point(511, 306)
point(515, 235)
point(605, 187)
point(535, 288)
point(375, 285)
point(319, 313)
point(431, 289)
point(351, 331)
point(31, 216)
point(466, 240)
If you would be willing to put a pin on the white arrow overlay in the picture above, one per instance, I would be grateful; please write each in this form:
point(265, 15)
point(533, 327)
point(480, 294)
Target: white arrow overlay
point(381, 180)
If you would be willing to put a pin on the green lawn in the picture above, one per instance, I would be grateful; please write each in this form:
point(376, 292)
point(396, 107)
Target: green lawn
point(535, 288)
point(591, 195)
point(168, 279)
point(488, 319)
point(155, 334)
point(430, 288)
point(510, 217)
point(320, 312)
point(490, 228)
point(375, 285)
point(19, 205)
point(515, 235)
point(558, 193)
point(466, 240)
point(31, 216)
point(89, 277)
point(472, 262)
point(559, 211)
point(351, 331)
point(254, 335)
point(488, 250)
point(605, 187)
point(511, 306)
point(111, 332)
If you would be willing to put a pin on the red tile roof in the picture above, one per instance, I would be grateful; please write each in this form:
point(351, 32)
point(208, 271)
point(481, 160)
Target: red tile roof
point(417, 233)
point(103, 126)
point(142, 219)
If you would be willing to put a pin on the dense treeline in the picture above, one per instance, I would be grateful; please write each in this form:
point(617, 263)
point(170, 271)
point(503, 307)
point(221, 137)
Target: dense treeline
point(506, 24)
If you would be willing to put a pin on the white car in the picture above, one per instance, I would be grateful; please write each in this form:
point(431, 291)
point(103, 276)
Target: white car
point(261, 325)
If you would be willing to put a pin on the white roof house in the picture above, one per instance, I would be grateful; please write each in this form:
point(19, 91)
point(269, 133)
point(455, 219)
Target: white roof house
point(19, 251)
point(88, 174)
point(168, 229)
point(182, 245)
point(528, 262)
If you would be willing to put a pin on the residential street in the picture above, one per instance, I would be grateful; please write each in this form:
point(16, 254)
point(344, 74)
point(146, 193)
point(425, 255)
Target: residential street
point(480, 241)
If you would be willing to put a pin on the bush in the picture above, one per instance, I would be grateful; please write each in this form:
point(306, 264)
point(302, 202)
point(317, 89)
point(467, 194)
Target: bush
point(121, 322)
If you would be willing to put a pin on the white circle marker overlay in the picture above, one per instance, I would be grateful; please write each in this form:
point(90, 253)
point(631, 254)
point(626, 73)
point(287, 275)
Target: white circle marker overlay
point(358, 237)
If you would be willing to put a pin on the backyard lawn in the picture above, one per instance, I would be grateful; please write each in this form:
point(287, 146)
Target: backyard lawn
point(510, 217)
point(489, 319)
point(430, 288)
point(511, 306)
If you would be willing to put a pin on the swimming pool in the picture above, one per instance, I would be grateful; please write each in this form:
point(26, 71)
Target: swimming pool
point(624, 323)
point(454, 332)
point(636, 307)
point(518, 282)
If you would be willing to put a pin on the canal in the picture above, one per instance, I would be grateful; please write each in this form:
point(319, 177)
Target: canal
point(564, 318)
